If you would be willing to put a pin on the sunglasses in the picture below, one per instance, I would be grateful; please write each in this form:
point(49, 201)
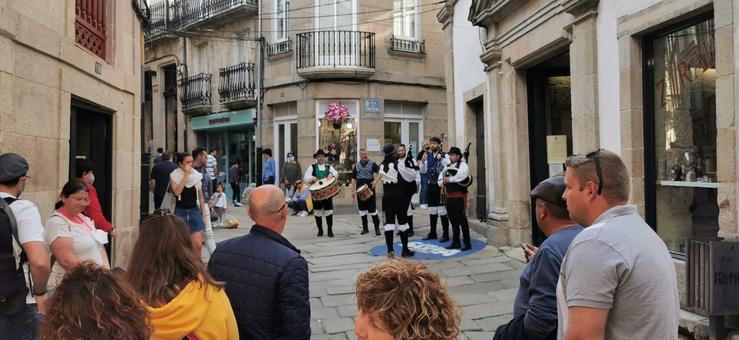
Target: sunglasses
point(594, 155)
point(158, 214)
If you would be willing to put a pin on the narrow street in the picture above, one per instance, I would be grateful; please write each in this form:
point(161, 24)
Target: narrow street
point(483, 284)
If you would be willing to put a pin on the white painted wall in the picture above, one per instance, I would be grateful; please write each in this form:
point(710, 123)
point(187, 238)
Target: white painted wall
point(608, 67)
point(469, 71)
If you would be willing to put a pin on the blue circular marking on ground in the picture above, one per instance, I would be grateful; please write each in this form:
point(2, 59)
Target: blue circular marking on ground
point(429, 249)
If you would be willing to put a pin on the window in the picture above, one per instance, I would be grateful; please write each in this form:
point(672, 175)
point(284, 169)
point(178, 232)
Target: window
point(90, 26)
point(339, 141)
point(202, 58)
point(281, 27)
point(404, 19)
point(680, 89)
point(404, 124)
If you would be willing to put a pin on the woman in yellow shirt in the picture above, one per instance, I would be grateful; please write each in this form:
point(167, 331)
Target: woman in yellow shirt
point(184, 301)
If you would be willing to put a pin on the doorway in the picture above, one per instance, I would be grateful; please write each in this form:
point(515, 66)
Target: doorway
point(170, 109)
point(478, 109)
point(286, 140)
point(550, 120)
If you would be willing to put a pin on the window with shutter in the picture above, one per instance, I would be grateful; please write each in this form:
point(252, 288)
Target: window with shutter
point(89, 26)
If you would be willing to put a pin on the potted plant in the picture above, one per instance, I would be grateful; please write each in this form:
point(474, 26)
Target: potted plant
point(337, 114)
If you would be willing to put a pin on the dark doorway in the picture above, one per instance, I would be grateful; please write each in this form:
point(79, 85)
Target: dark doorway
point(170, 108)
point(550, 114)
point(479, 147)
point(91, 138)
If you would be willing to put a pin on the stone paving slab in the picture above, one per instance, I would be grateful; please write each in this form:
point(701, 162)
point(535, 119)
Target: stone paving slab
point(483, 284)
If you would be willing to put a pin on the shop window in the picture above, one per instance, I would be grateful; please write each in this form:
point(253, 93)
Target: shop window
point(680, 122)
point(339, 141)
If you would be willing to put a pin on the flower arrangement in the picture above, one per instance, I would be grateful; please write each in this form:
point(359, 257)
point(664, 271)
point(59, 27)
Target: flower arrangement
point(337, 113)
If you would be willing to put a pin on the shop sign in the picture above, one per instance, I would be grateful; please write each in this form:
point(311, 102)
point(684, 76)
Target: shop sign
point(219, 120)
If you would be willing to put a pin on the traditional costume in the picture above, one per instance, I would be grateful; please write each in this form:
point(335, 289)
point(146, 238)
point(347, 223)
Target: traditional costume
point(323, 208)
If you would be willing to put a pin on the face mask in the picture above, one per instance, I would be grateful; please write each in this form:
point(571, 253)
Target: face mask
point(290, 158)
point(20, 191)
point(91, 179)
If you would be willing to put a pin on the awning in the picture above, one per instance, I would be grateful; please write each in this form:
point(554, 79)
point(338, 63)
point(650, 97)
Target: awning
point(224, 120)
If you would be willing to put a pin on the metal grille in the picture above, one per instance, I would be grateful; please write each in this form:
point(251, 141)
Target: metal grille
point(173, 15)
point(335, 49)
point(279, 48)
point(404, 45)
point(195, 91)
point(237, 83)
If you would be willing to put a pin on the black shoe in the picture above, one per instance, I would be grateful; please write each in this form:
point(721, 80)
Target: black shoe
point(444, 239)
point(320, 233)
point(364, 231)
point(466, 247)
point(408, 253)
point(454, 246)
point(391, 254)
point(430, 237)
point(377, 232)
point(330, 232)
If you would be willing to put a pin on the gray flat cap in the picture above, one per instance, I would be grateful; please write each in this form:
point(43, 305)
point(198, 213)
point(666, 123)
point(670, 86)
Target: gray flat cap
point(12, 166)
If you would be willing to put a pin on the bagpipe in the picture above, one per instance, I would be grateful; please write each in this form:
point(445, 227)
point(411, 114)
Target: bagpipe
point(452, 171)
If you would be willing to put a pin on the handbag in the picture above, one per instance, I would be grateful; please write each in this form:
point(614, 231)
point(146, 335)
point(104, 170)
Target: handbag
point(169, 201)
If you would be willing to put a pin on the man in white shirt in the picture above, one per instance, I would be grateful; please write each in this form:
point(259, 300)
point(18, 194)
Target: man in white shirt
point(21, 324)
point(211, 164)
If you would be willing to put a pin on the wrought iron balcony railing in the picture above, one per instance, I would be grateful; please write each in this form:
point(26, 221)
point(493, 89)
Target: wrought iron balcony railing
point(279, 48)
point(237, 85)
point(195, 93)
point(335, 49)
point(407, 46)
point(168, 15)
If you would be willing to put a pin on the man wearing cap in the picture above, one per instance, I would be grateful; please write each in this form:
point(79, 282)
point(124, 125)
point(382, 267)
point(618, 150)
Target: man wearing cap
point(316, 172)
point(535, 307)
point(456, 202)
point(432, 164)
point(30, 257)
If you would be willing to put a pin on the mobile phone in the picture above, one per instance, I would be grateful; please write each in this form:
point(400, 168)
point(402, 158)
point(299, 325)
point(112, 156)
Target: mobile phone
point(523, 245)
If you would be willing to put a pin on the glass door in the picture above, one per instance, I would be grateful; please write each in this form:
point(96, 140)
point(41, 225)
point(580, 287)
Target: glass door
point(286, 140)
point(335, 43)
point(405, 131)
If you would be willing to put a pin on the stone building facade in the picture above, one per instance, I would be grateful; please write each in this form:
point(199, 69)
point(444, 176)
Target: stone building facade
point(70, 88)
point(382, 60)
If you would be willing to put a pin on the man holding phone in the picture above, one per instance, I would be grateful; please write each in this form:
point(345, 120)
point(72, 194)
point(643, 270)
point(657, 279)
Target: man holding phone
point(535, 307)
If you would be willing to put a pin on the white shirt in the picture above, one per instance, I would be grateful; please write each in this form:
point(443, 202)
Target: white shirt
point(85, 246)
point(30, 229)
point(219, 200)
point(309, 172)
point(462, 173)
point(211, 163)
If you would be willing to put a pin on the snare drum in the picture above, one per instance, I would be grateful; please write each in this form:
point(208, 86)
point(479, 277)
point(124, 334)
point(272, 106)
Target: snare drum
point(364, 193)
point(324, 189)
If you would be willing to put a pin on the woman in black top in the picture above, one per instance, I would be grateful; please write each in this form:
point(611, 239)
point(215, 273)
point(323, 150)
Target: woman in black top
point(186, 184)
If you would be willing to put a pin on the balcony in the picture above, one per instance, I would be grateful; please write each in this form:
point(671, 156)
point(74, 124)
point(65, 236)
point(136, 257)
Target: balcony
point(280, 48)
point(407, 48)
point(168, 16)
point(195, 94)
point(335, 54)
point(236, 86)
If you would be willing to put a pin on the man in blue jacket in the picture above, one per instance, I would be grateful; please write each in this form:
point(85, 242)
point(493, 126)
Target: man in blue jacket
point(535, 307)
point(266, 277)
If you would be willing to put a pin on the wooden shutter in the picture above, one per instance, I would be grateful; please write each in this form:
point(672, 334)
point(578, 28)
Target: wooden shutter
point(89, 26)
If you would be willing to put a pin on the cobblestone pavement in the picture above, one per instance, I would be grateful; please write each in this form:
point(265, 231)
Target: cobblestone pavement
point(483, 284)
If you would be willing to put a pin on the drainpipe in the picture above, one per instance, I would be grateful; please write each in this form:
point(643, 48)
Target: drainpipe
point(184, 75)
point(260, 93)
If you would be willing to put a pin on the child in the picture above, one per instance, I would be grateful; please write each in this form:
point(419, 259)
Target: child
point(219, 203)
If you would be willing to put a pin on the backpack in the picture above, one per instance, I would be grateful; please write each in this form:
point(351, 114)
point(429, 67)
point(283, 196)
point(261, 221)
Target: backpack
point(13, 288)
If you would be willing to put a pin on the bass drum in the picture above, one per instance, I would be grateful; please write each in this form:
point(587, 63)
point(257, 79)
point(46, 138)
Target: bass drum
point(324, 189)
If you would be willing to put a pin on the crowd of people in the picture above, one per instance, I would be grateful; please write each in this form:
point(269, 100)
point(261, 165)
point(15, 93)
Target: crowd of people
point(601, 272)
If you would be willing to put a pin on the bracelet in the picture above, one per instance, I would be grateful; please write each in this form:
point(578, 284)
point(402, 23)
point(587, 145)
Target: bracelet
point(40, 294)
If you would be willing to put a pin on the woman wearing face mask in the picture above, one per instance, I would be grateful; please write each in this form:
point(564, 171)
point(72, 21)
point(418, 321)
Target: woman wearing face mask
point(85, 173)
point(290, 173)
point(71, 235)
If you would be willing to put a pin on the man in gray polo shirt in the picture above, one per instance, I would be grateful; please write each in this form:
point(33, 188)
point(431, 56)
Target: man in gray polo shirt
point(617, 279)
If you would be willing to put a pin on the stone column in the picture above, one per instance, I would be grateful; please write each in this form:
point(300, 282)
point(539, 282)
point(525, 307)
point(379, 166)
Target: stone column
point(584, 74)
point(446, 18)
point(498, 232)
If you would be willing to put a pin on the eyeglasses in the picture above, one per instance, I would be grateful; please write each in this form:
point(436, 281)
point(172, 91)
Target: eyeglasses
point(594, 155)
point(284, 205)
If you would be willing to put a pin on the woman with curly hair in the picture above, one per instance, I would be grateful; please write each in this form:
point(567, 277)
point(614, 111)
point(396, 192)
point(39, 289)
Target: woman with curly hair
point(402, 300)
point(90, 303)
point(183, 299)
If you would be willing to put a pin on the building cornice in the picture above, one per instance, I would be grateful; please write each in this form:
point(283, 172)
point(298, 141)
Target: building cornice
point(491, 57)
point(487, 12)
point(446, 14)
point(579, 7)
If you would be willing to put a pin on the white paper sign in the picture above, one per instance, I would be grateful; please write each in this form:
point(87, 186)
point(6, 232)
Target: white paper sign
point(373, 144)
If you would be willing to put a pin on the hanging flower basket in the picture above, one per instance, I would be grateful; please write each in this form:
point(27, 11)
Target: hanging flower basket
point(337, 114)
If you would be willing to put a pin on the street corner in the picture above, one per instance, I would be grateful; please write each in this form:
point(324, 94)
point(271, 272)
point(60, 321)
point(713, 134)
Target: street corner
point(431, 249)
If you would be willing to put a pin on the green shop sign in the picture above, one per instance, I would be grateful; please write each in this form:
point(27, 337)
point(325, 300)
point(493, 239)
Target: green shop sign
point(223, 120)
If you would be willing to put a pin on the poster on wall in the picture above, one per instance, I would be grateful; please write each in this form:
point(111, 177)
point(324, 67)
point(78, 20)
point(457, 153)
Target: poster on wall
point(556, 149)
point(373, 144)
